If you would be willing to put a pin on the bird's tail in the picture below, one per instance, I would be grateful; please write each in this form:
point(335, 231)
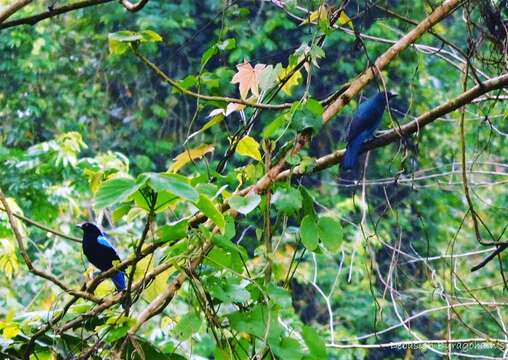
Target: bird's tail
point(119, 280)
point(350, 159)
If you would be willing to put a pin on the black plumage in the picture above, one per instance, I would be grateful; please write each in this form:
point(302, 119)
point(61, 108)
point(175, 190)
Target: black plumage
point(99, 251)
point(365, 122)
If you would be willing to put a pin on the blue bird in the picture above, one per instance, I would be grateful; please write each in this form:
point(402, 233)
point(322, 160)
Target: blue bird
point(365, 122)
point(99, 251)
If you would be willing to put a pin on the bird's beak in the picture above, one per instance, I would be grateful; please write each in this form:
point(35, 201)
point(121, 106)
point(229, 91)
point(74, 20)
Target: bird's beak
point(394, 95)
point(80, 226)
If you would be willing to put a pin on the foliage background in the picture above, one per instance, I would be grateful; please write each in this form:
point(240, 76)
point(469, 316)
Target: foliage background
point(74, 115)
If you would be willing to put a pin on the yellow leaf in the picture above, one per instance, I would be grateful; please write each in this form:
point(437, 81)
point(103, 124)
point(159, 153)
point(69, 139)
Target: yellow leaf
point(320, 14)
point(344, 19)
point(105, 288)
point(188, 155)
point(11, 331)
point(247, 146)
point(159, 283)
point(292, 81)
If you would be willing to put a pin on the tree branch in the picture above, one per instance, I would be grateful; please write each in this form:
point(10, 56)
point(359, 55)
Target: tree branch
point(10, 9)
point(28, 262)
point(32, 20)
point(134, 7)
point(44, 227)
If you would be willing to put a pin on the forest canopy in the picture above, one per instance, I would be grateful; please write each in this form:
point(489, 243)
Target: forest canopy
point(279, 179)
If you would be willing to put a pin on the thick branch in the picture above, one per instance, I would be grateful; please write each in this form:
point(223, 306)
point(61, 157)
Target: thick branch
point(32, 20)
point(360, 82)
point(410, 128)
point(134, 7)
point(10, 9)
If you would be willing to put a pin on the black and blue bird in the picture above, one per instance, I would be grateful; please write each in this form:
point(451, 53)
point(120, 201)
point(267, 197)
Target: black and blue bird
point(365, 122)
point(99, 251)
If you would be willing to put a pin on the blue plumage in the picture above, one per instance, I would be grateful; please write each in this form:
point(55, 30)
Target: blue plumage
point(99, 251)
point(365, 122)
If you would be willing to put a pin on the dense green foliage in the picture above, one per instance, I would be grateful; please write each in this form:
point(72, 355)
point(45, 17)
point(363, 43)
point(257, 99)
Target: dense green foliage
point(91, 131)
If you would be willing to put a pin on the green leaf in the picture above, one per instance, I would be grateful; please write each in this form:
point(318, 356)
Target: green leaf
point(119, 212)
point(175, 184)
point(115, 191)
point(308, 117)
point(280, 296)
point(269, 77)
point(256, 321)
point(309, 232)
point(287, 200)
point(227, 292)
point(208, 54)
point(330, 233)
point(150, 36)
point(208, 208)
point(217, 119)
point(173, 232)
point(245, 204)
point(228, 44)
point(314, 342)
point(188, 325)
point(308, 202)
point(125, 36)
point(287, 348)
point(275, 128)
point(247, 146)
point(119, 42)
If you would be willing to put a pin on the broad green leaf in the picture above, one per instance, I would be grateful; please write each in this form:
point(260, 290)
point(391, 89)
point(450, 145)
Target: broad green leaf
point(309, 232)
point(119, 41)
point(119, 212)
point(172, 232)
point(115, 191)
point(309, 116)
point(247, 146)
point(226, 291)
point(125, 36)
point(275, 128)
point(245, 204)
point(256, 321)
point(188, 325)
point(330, 233)
point(175, 184)
point(314, 342)
point(308, 203)
point(216, 119)
point(150, 36)
point(208, 208)
point(287, 200)
point(287, 348)
point(208, 54)
point(227, 44)
point(279, 296)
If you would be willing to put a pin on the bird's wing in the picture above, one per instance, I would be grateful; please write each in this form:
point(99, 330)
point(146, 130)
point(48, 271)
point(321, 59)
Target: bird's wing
point(104, 241)
point(367, 117)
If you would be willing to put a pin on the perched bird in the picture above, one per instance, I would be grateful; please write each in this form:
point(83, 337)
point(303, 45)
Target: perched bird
point(365, 122)
point(99, 251)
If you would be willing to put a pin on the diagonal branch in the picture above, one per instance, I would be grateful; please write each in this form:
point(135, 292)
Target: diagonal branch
point(32, 20)
point(13, 7)
point(28, 262)
point(134, 7)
